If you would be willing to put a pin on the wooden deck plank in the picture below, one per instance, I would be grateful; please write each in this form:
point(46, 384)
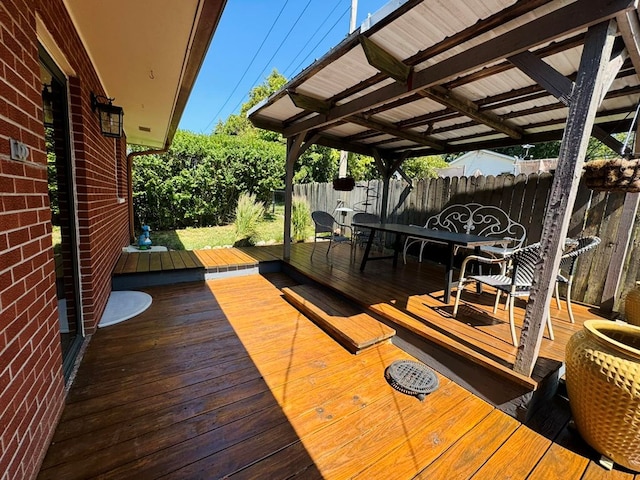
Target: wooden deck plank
point(131, 263)
point(469, 454)
point(155, 264)
point(559, 463)
point(263, 254)
point(143, 262)
point(166, 261)
point(178, 261)
point(424, 445)
point(116, 270)
point(205, 258)
point(351, 327)
point(597, 472)
point(188, 260)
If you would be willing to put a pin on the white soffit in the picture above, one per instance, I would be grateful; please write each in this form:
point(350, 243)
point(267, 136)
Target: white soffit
point(139, 49)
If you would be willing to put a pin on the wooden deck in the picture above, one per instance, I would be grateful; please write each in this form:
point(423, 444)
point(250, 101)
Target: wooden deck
point(215, 260)
point(410, 296)
point(225, 378)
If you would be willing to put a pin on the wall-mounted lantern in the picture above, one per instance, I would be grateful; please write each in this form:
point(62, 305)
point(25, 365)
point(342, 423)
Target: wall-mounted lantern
point(109, 114)
point(47, 105)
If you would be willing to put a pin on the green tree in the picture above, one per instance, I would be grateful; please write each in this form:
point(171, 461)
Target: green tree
point(423, 167)
point(198, 181)
point(596, 149)
point(240, 124)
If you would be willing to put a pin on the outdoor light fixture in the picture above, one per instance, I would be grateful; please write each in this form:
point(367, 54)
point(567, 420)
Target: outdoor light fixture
point(47, 105)
point(110, 115)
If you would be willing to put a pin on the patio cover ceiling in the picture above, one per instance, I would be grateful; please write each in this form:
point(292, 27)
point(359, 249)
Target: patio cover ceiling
point(147, 54)
point(424, 77)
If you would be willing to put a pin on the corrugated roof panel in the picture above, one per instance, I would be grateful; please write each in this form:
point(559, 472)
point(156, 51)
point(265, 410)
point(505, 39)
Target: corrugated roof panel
point(400, 144)
point(385, 82)
point(463, 132)
point(620, 102)
point(408, 111)
point(490, 86)
point(378, 138)
point(431, 22)
point(346, 129)
point(281, 110)
point(497, 31)
point(341, 74)
point(514, 96)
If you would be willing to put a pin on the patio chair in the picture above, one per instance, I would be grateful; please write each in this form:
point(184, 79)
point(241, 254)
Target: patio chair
point(361, 235)
point(568, 268)
point(475, 219)
point(328, 228)
point(516, 283)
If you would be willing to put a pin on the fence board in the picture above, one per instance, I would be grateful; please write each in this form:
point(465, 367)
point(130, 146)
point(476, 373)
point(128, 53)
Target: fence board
point(508, 182)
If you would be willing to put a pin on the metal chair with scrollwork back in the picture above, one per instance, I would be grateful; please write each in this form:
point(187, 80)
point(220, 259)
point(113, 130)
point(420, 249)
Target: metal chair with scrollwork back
point(475, 219)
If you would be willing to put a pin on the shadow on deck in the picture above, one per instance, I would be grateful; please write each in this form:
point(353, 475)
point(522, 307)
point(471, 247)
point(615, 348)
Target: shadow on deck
point(474, 349)
point(224, 378)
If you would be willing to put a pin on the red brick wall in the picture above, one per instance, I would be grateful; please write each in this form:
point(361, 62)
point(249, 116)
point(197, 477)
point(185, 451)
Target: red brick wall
point(31, 377)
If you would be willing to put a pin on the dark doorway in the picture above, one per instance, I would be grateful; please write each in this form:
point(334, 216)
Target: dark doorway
point(63, 209)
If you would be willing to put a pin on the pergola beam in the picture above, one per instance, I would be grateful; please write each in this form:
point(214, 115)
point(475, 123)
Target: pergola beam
point(385, 62)
point(562, 88)
point(311, 104)
point(576, 16)
point(629, 27)
point(396, 132)
point(469, 109)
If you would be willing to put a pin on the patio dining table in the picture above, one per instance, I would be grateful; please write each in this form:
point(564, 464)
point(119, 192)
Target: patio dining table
point(451, 239)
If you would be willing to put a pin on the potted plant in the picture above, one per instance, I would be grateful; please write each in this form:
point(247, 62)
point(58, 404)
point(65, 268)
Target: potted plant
point(613, 175)
point(344, 184)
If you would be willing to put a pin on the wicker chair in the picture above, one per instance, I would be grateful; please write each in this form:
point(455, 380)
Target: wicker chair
point(515, 283)
point(568, 268)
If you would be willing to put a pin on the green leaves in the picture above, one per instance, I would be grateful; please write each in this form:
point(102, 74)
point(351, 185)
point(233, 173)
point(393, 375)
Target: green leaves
point(198, 181)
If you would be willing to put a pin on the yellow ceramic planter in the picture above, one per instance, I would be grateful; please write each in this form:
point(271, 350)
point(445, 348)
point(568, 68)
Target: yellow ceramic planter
point(603, 384)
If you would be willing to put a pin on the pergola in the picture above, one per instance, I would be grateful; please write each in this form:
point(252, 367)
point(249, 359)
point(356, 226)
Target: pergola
point(423, 77)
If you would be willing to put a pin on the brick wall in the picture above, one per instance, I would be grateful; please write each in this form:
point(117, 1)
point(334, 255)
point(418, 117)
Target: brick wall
point(31, 377)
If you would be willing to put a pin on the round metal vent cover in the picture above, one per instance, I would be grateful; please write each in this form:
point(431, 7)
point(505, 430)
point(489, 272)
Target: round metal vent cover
point(412, 378)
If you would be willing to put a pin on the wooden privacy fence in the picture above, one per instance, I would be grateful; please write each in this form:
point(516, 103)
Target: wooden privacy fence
point(523, 197)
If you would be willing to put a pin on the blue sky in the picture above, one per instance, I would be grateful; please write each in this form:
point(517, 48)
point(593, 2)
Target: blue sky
point(256, 36)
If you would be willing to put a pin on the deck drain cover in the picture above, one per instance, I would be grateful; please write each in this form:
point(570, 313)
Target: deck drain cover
point(412, 378)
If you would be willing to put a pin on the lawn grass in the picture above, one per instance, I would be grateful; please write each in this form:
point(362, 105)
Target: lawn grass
point(270, 231)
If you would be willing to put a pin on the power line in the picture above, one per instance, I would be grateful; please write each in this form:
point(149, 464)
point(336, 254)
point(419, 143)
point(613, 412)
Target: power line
point(320, 41)
point(248, 67)
point(274, 53)
point(311, 38)
point(305, 58)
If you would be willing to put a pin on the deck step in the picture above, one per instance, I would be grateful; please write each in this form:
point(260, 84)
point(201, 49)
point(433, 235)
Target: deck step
point(346, 323)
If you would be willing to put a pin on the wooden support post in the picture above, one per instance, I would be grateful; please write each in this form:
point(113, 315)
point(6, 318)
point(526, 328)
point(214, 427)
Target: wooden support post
point(293, 145)
point(386, 173)
point(619, 254)
point(295, 148)
point(583, 105)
